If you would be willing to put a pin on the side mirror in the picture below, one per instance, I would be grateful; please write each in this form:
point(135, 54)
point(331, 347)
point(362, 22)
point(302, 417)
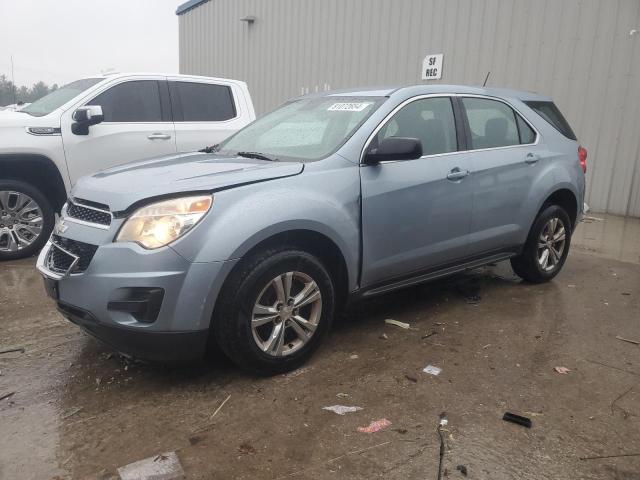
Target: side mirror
point(84, 117)
point(394, 148)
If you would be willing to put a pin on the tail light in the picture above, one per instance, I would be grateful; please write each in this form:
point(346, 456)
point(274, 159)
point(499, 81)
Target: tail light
point(582, 156)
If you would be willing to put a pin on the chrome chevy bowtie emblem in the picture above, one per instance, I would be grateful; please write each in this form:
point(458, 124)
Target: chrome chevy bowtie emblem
point(61, 227)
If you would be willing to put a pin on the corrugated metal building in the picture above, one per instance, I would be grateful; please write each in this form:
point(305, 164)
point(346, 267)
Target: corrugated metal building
point(584, 53)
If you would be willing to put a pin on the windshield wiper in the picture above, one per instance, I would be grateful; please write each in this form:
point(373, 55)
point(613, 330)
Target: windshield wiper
point(258, 155)
point(210, 149)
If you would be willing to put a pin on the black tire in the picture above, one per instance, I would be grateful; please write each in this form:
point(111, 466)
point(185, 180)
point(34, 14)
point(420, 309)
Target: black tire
point(232, 317)
point(526, 265)
point(48, 220)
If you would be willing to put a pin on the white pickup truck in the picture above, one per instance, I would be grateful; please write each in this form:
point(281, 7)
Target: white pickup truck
point(96, 123)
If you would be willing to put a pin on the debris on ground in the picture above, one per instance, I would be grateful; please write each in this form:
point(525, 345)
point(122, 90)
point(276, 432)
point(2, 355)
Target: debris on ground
point(563, 370)
point(165, 466)
point(391, 321)
point(342, 395)
point(72, 413)
point(220, 407)
point(383, 337)
point(430, 334)
point(534, 414)
point(411, 378)
point(12, 350)
point(7, 395)
point(375, 426)
point(462, 469)
point(517, 419)
point(635, 342)
point(432, 370)
point(342, 409)
point(486, 346)
point(354, 357)
point(589, 219)
point(246, 448)
point(626, 293)
point(441, 424)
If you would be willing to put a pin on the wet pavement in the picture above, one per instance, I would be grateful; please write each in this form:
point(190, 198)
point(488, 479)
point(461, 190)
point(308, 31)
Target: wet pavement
point(80, 411)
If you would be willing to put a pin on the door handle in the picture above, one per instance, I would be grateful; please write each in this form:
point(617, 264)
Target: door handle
point(457, 174)
point(159, 136)
point(531, 158)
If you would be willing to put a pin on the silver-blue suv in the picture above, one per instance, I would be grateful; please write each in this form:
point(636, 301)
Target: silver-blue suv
point(254, 244)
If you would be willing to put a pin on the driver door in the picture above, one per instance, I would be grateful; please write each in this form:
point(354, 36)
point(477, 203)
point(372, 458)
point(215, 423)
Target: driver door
point(416, 214)
point(137, 124)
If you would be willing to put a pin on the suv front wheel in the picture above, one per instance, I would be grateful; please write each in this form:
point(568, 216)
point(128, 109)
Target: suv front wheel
point(546, 248)
point(274, 310)
point(26, 220)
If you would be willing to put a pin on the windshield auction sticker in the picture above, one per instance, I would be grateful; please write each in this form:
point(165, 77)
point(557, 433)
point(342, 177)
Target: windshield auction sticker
point(348, 107)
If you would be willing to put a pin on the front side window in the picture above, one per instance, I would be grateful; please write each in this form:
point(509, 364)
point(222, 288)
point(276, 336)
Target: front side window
point(306, 129)
point(430, 120)
point(203, 102)
point(135, 101)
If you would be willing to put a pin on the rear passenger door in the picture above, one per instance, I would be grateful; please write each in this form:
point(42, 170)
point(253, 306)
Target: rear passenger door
point(204, 113)
point(506, 157)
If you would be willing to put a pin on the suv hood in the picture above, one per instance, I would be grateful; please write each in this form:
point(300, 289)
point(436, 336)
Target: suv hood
point(122, 186)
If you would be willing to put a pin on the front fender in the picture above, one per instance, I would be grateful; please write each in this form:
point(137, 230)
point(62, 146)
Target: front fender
point(243, 217)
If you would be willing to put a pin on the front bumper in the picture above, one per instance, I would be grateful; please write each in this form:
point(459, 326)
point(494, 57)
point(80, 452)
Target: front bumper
point(105, 299)
point(164, 347)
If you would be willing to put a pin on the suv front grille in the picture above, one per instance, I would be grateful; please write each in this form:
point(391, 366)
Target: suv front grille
point(61, 262)
point(89, 214)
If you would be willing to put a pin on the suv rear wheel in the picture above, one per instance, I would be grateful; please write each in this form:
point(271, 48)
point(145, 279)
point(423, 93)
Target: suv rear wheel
point(275, 310)
point(546, 248)
point(26, 219)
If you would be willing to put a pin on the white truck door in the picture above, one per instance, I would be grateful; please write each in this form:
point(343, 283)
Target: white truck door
point(206, 113)
point(137, 125)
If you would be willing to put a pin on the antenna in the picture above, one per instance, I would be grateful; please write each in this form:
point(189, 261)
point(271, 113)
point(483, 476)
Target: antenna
point(13, 82)
point(486, 78)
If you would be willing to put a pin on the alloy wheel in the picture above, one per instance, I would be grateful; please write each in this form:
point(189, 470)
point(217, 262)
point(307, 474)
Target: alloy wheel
point(551, 244)
point(286, 314)
point(21, 221)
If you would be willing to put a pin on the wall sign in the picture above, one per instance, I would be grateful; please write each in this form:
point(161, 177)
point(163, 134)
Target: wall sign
point(432, 67)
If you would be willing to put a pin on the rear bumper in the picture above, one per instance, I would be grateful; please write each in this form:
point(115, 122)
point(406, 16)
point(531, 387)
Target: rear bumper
point(164, 347)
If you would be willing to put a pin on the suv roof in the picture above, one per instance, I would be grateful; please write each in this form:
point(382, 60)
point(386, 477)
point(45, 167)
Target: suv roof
point(429, 89)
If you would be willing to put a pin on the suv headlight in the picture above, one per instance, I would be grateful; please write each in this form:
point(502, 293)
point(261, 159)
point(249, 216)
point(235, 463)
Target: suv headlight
point(161, 223)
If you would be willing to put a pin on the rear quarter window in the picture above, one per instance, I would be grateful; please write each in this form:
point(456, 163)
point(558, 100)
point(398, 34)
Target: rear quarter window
point(202, 102)
point(550, 112)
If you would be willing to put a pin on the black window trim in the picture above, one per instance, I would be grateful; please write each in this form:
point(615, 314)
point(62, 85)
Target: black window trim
point(517, 112)
point(165, 118)
point(176, 104)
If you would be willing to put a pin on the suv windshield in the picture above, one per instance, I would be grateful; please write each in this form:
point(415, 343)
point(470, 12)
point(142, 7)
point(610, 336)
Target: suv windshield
point(307, 129)
point(59, 97)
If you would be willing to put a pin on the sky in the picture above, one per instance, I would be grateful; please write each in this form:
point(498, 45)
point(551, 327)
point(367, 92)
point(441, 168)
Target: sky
point(58, 41)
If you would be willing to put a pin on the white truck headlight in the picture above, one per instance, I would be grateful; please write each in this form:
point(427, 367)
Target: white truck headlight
point(159, 224)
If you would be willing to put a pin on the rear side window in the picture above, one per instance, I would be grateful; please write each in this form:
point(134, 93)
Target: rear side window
point(202, 102)
point(430, 120)
point(492, 123)
point(136, 101)
point(552, 114)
